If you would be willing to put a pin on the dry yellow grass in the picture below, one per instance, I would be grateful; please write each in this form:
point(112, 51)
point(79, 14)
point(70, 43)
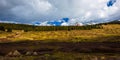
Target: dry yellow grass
point(108, 30)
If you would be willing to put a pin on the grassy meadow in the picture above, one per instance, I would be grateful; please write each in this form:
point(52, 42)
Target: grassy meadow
point(109, 32)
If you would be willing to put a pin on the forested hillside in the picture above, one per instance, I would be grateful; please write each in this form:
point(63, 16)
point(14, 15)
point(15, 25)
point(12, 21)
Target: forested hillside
point(26, 28)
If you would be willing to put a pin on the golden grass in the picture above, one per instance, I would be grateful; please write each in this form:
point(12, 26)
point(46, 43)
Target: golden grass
point(108, 30)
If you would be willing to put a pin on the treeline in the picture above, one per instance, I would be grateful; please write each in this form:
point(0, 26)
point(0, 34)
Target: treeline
point(7, 30)
point(112, 22)
point(57, 28)
point(10, 27)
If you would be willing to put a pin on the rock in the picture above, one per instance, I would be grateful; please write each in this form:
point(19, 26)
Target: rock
point(9, 54)
point(35, 53)
point(15, 53)
point(28, 53)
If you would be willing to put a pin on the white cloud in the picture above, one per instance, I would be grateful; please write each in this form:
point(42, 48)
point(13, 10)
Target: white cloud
point(32, 9)
point(64, 24)
point(45, 24)
point(8, 21)
point(45, 10)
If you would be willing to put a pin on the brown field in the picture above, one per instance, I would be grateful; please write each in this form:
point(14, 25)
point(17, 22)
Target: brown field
point(32, 50)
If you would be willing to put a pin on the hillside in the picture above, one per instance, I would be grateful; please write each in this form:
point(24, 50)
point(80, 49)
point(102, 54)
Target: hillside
point(23, 42)
point(108, 32)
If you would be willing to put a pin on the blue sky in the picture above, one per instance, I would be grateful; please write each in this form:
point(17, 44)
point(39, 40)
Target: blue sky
point(29, 11)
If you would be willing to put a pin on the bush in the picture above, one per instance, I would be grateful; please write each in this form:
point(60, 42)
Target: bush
point(2, 28)
point(9, 30)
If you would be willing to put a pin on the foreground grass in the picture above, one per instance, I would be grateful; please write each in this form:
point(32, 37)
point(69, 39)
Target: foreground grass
point(60, 51)
point(66, 56)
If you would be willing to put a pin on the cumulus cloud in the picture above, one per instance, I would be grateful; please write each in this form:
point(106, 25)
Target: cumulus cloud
point(47, 10)
point(64, 24)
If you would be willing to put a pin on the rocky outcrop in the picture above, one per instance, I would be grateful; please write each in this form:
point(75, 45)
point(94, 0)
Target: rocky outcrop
point(31, 53)
point(15, 53)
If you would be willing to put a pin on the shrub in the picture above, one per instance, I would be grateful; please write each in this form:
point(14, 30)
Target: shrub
point(2, 28)
point(9, 30)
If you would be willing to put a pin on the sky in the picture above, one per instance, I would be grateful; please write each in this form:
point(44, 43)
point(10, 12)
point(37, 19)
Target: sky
point(29, 11)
